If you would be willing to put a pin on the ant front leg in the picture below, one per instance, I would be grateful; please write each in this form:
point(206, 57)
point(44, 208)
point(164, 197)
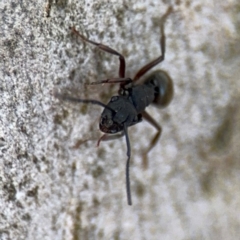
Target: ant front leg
point(154, 140)
point(121, 72)
point(107, 137)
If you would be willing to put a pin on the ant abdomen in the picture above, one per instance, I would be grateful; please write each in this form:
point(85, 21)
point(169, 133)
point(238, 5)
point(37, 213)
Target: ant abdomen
point(163, 88)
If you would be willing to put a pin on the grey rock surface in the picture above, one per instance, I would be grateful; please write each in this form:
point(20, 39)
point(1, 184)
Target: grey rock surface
point(54, 182)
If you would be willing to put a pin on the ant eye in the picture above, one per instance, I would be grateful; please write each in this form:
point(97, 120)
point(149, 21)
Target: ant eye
point(109, 122)
point(114, 98)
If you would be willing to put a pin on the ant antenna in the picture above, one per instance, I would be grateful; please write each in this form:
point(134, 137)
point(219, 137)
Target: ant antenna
point(79, 100)
point(129, 199)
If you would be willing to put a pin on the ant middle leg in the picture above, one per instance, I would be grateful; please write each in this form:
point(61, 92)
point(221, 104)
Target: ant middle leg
point(121, 71)
point(154, 140)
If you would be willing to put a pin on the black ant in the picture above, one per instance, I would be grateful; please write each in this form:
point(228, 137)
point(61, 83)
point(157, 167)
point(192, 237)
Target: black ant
point(128, 108)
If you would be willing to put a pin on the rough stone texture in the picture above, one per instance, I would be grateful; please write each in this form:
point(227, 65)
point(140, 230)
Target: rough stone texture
point(54, 182)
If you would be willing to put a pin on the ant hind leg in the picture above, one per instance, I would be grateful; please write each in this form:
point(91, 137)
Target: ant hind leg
point(158, 60)
point(154, 140)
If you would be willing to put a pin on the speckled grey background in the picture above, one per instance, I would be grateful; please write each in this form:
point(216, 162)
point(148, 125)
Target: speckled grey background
point(54, 182)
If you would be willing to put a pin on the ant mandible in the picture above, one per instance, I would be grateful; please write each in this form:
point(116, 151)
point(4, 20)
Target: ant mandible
point(128, 108)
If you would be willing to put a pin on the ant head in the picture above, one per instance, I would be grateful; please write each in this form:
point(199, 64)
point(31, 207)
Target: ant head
point(108, 122)
point(108, 125)
point(119, 111)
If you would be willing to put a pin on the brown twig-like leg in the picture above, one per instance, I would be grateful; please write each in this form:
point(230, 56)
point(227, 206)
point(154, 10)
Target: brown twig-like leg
point(155, 139)
point(156, 61)
point(105, 48)
point(107, 137)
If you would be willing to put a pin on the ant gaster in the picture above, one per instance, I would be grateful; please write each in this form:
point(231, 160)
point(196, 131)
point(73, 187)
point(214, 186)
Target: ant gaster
point(128, 108)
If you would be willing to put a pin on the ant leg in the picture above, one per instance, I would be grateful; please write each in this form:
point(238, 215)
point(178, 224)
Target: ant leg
point(107, 137)
point(105, 48)
point(156, 61)
point(155, 139)
point(112, 80)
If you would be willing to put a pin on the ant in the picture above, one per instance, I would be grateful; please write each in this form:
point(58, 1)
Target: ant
point(128, 108)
